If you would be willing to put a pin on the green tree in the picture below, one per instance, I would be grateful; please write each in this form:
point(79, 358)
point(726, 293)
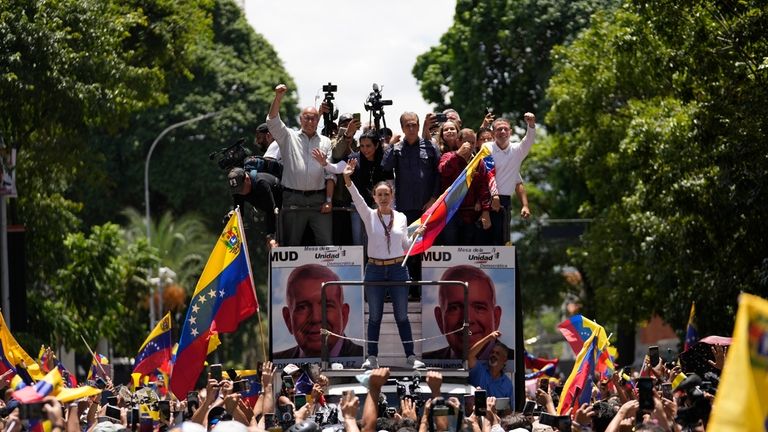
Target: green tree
point(96, 293)
point(661, 111)
point(236, 71)
point(497, 54)
point(182, 244)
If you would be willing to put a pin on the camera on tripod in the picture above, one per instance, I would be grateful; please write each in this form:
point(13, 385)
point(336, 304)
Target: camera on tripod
point(375, 104)
point(329, 127)
point(232, 156)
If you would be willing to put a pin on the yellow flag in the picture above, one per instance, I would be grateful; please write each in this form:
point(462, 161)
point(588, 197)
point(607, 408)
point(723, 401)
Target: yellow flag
point(71, 394)
point(742, 396)
point(13, 352)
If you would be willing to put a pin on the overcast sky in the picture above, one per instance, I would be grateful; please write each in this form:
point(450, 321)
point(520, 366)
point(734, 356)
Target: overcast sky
point(354, 43)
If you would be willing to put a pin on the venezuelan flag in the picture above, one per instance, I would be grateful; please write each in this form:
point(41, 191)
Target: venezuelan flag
point(96, 369)
point(578, 387)
point(155, 352)
point(437, 216)
point(254, 382)
point(224, 296)
point(691, 334)
point(577, 329)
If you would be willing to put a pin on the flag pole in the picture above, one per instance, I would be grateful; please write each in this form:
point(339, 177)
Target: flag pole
point(96, 360)
point(415, 238)
point(250, 275)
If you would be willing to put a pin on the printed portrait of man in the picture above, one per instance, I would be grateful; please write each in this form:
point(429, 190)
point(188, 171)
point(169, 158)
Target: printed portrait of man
point(302, 314)
point(484, 313)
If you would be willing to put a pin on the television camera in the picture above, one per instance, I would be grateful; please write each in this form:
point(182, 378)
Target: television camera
point(375, 104)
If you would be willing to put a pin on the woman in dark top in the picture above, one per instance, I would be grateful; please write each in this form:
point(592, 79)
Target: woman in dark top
point(367, 173)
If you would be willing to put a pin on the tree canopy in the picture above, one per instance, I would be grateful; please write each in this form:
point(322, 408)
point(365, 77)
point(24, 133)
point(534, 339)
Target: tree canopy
point(86, 87)
point(497, 54)
point(662, 113)
point(654, 128)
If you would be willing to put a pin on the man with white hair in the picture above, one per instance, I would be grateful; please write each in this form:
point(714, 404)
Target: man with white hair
point(306, 185)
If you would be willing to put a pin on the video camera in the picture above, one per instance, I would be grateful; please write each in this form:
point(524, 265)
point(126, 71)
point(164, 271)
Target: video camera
point(329, 127)
point(408, 388)
point(232, 156)
point(375, 104)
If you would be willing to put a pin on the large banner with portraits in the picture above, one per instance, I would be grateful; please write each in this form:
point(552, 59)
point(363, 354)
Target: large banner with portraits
point(490, 272)
point(295, 312)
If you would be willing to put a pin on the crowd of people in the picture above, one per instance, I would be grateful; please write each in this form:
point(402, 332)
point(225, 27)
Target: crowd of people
point(659, 398)
point(418, 164)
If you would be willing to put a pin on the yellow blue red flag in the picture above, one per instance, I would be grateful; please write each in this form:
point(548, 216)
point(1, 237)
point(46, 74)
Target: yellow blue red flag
point(155, 352)
point(438, 215)
point(224, 296)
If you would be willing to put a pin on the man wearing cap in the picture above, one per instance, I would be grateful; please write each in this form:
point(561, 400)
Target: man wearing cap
point(343, 145)
point(266, 143)
point(261, 189)
point(306, 186)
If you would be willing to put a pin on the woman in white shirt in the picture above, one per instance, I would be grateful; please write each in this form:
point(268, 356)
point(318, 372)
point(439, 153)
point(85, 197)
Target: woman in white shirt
point(388, 242)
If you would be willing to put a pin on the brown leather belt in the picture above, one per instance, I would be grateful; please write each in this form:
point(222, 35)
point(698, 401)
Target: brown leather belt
point(387, 261)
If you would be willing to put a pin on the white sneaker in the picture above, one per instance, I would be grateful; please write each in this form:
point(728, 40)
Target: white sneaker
point(371, 363)
point(415, 363)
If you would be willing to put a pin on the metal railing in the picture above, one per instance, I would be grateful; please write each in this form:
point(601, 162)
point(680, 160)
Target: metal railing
point(324, 353)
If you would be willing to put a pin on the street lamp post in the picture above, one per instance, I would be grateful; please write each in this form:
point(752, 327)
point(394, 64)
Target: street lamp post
point(152, 317)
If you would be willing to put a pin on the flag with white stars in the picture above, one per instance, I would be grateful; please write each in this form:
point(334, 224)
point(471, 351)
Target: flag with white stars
point(155, 352)
point(224, 296)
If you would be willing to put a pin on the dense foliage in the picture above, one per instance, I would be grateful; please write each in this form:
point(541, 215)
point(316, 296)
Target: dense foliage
point(497, 54)
point(662, 110)
point(655, 114)
point(85, 87)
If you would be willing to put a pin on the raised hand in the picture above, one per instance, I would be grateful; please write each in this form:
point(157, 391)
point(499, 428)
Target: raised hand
point(319, 156)
point(350, 168)
point(530, 119)
point(281, 89)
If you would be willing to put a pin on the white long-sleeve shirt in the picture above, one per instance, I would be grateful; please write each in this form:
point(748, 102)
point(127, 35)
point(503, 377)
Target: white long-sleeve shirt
point(377, 241)
point(508, 161)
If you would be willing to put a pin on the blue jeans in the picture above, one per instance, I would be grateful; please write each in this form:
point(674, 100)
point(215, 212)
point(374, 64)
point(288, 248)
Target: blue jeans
point(375, 296)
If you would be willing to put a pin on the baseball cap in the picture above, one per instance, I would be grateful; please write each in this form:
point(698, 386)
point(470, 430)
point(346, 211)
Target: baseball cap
point(262, 128)
point(236, 179)
point(345, 118)
point(290, 369)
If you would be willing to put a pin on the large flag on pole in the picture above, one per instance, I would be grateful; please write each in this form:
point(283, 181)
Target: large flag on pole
point(155, 352)
point(438, 215)
point(224, 296)
point(741, 403)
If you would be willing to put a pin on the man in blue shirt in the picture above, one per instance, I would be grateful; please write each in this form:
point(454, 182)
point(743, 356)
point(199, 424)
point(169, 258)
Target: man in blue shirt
point(414, 162)
point(490, 375)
